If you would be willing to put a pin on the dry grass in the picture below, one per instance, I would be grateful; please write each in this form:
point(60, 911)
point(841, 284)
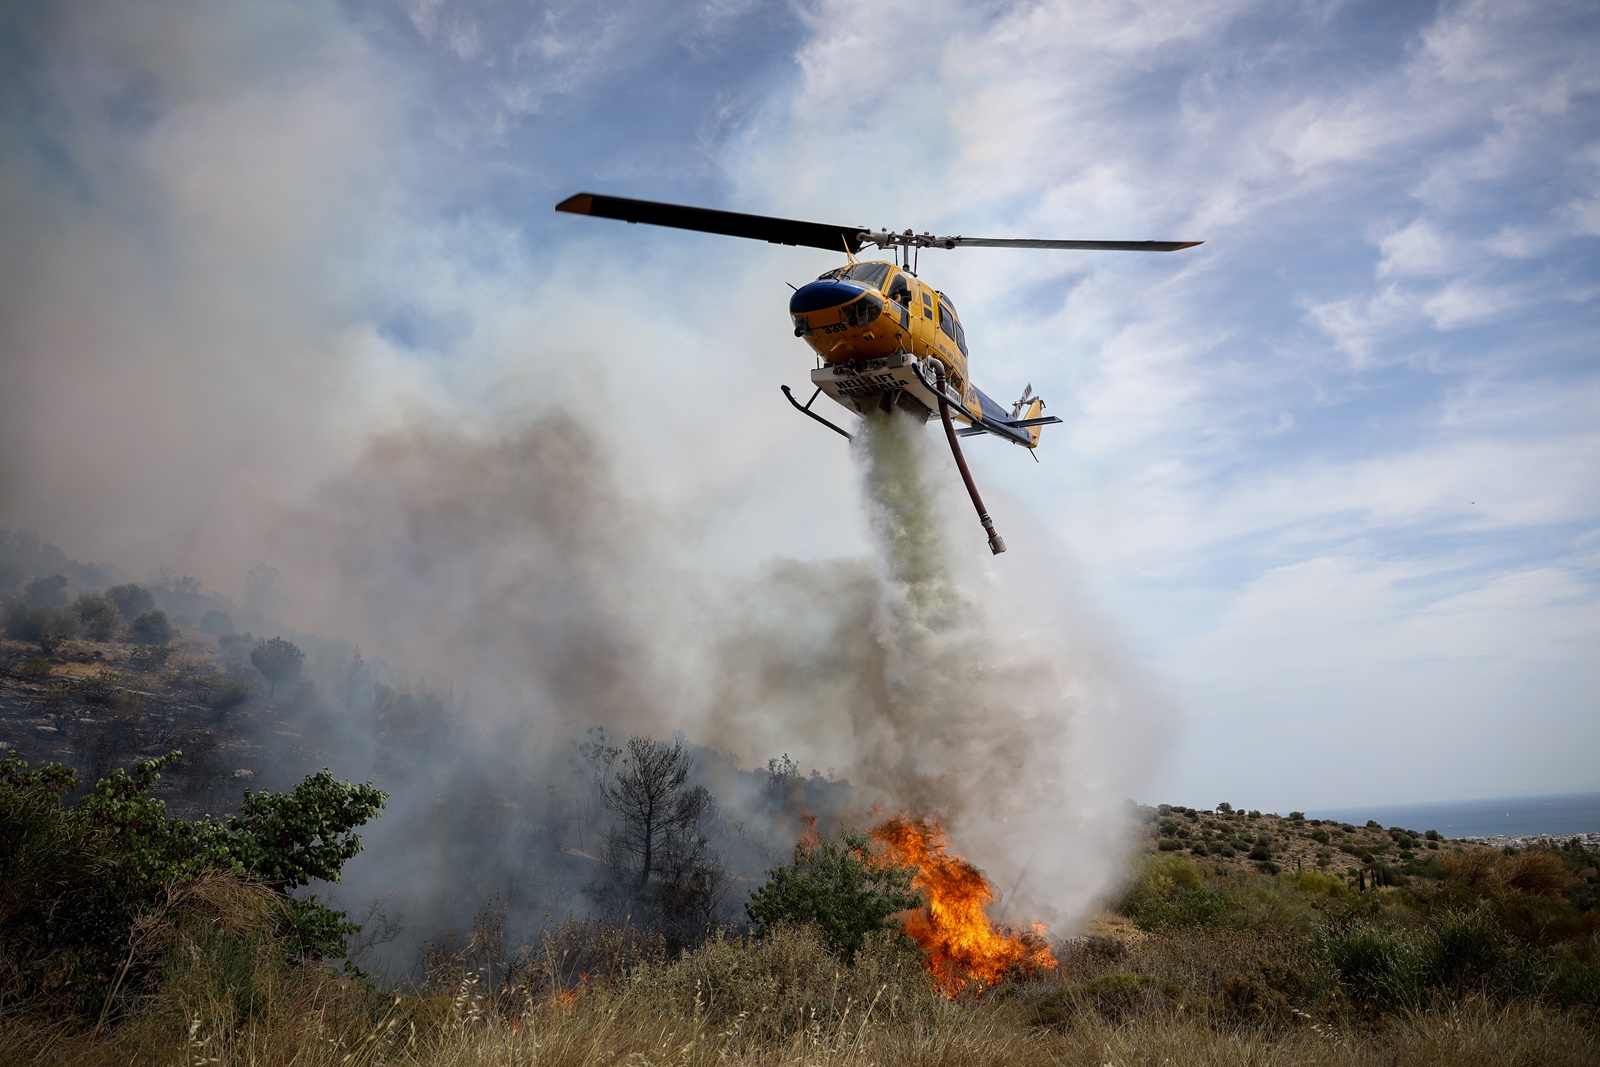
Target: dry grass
point(315, 1030)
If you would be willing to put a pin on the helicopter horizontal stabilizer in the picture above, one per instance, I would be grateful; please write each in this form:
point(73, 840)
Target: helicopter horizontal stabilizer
point(996, 420)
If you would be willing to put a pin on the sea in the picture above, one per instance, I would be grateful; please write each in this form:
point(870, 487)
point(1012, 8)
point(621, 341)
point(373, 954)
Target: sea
point(1569, 813)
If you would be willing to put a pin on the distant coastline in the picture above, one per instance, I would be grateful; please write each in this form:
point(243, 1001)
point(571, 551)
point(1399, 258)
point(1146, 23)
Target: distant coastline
point(1559, 816)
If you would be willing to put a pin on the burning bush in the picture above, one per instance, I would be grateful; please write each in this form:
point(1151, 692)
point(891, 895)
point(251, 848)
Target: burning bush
point(964, 948)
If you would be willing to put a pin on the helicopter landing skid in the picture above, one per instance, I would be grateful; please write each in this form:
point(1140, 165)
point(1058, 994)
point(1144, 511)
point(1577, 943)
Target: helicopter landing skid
point(806, 410)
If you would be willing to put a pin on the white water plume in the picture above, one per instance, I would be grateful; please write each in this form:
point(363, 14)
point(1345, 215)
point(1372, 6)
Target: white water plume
point(998, 714)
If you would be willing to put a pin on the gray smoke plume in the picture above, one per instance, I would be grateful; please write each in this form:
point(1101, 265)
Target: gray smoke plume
point(508, 569)
point(238, 327)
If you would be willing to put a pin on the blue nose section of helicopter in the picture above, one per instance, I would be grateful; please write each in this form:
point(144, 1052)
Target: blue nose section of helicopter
point(814, 296)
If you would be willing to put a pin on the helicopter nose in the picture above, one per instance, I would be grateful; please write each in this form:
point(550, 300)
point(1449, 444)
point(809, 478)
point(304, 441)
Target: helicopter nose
point(814, 296)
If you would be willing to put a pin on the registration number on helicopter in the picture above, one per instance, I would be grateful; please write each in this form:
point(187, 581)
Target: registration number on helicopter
point(868, 383)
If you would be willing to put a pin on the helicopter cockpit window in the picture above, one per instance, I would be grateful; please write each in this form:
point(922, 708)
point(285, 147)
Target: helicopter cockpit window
point(872, 274)
point(900, 289)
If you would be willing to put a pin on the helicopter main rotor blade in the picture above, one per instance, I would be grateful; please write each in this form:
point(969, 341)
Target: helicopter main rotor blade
point(1090, 246)
point(728, 223)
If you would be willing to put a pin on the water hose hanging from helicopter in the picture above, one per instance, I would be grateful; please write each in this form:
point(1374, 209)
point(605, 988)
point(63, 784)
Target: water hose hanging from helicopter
point(996, 544)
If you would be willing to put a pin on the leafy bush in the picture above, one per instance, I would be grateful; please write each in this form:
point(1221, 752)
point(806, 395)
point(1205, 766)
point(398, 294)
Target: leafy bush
point(222, 694)
point(1378, 968)
point(1170, 891)
point(49, 592)
point(78, 881)
point(48, 627)
point(841, 887)
point(1315, 883)
point(151, 628)
point(150, 657)
point(1462, 949)
point(131, 599)
point(278, 660)
point(98, 616)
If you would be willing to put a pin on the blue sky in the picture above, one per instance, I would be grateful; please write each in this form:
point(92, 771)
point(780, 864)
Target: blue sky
point(1329, 479)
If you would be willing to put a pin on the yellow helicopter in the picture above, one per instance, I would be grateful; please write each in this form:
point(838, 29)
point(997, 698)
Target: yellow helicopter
point(884, 338)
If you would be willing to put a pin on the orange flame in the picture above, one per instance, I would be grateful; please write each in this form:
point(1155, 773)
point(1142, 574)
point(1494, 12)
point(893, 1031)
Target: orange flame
point(964, 947)
point(810, 840)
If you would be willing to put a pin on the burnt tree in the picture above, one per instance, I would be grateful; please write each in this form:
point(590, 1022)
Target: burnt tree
point(659, 815)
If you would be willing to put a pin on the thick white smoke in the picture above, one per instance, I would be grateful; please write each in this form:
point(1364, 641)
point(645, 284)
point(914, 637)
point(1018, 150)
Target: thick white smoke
point(238, 327)
point(995, 701)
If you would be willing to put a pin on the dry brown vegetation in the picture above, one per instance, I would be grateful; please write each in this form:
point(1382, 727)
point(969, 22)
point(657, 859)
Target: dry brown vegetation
point(786, 1002)
point(1240, 938)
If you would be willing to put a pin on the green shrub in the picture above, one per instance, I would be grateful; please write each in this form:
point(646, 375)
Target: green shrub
point(150, 657)
point(278, 660)
point(221, 693)
point(841, 887)
point(48, 627)
point(1462, 949)
point(1317, 884)
point(1376, 967)
point(131, 599)
point(98, 616)
point(48, 592)
point(1169, 844)
point(151, 628)
point(78, 881)
point(1192, 907)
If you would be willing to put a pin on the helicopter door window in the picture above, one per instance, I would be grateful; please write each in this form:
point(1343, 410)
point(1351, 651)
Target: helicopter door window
point(927, 306)
point(900, 294)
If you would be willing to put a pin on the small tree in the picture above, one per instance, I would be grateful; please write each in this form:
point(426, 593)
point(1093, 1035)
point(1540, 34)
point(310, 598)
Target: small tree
point(658, 812)
point(48, 592)
point(78, 879)
point(47, 627)
point(131, 599)
point(98, 615)
point(658, 848)
point(841, 886)
point(278, 660)
point(151, 628)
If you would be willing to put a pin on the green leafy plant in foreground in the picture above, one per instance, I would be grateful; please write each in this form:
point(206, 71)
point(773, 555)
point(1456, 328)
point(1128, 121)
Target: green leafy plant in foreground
point(75, 881)
point(841, 887)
